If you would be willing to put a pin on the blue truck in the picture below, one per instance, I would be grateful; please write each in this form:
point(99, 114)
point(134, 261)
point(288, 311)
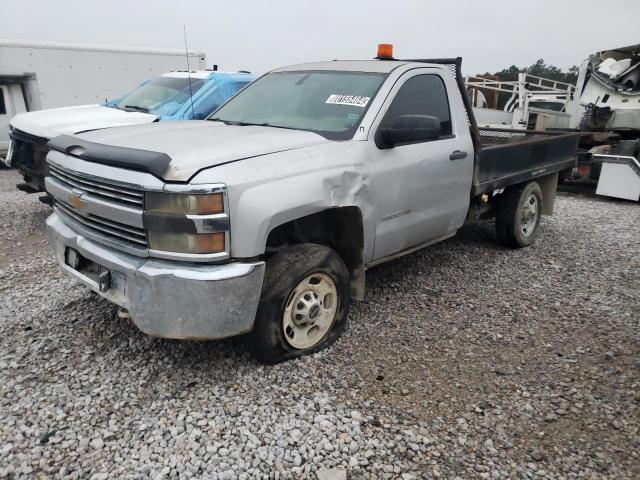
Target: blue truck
point(177, 95)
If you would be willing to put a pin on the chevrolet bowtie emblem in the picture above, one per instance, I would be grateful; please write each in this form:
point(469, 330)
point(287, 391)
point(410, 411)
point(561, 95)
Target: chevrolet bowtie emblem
point(76, 201)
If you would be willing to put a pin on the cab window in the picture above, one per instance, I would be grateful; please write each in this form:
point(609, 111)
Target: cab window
point(421, 95)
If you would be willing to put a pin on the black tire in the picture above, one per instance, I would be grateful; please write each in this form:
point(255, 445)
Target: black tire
point(267, 343)
point(509, 216)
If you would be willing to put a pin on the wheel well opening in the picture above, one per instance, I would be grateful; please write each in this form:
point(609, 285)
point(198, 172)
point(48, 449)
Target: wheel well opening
point(338, 228)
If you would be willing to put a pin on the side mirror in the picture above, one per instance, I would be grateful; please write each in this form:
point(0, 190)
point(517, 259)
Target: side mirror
point(409, 129)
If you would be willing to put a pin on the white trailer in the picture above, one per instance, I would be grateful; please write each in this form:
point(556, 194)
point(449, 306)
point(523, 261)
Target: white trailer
point(35, 76)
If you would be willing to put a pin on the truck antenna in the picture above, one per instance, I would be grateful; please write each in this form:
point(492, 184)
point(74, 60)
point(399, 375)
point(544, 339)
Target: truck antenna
point(186, 51)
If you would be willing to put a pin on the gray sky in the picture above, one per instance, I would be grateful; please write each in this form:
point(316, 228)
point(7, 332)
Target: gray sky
point(259, 35)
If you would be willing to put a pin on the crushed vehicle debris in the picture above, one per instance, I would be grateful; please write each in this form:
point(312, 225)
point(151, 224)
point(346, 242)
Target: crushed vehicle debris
point(607, 107)
point(609, 92)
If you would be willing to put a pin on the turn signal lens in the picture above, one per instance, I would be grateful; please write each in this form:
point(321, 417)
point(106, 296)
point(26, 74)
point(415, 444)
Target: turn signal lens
point(186, 242)
point(206, 204)
point(210, 243)
point(385, 51)
point(187, 204)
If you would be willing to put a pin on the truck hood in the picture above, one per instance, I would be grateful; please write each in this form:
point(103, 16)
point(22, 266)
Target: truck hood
point(195, 145)
point(69, 120)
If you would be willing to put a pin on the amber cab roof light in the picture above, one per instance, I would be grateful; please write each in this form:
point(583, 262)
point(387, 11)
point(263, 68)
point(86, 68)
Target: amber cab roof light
point(385, 51)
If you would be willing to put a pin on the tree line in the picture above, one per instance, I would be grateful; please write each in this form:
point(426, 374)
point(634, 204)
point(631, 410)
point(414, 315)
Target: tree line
point(539, 69)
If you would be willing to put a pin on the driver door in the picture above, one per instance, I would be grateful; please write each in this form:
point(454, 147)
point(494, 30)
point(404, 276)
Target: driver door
point(422, 188)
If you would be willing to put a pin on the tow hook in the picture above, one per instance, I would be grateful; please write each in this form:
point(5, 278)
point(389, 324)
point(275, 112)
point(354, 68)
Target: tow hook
point(123, 314)
point(104, 280)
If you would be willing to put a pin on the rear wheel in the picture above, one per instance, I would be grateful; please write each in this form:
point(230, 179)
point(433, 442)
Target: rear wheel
point(304, 304)
point(518, 216)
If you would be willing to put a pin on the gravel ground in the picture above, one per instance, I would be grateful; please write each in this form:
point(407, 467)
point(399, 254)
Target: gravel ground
point(467, 360)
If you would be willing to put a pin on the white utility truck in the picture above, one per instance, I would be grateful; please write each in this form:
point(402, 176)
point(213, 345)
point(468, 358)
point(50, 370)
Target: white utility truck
point(534, 103)
point(263, 219)
point(37, 76)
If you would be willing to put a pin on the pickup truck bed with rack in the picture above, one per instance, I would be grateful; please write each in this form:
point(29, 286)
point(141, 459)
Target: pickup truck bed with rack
point(263, 219)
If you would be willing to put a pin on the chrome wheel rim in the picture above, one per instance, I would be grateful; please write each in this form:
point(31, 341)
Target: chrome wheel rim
point(529, 215)
point(310, 311)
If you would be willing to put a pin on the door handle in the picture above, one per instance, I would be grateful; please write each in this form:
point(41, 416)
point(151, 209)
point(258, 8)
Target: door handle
point(457, 155)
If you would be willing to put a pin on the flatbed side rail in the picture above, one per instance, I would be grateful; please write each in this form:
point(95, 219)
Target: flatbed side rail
point(531, 156)
point(519, 130)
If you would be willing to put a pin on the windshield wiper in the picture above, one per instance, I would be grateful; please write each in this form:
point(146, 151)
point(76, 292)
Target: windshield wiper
point(247, 124)
point(228, 122)
point(138, 108)
point(273, 126)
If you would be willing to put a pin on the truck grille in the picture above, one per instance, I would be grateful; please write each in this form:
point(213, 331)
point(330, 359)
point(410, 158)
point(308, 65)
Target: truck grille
point(102, 226)
point(29, 157)
point(101, 188)
point(97, 212)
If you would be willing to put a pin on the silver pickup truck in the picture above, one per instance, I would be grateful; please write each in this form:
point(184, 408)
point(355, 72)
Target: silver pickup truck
point(263, 219)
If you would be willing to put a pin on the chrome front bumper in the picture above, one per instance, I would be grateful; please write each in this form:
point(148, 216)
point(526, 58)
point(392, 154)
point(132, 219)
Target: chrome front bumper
point(167, 298)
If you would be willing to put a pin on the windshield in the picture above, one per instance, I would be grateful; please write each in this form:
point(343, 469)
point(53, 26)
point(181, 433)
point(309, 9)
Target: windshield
point(160, 95)
point(325, 102)
point(555, 106)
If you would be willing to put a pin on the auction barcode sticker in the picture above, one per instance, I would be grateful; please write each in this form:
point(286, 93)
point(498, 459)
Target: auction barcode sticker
point(352, 100)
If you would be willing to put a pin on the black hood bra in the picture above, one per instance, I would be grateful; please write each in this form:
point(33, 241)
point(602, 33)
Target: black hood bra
point(131, 158)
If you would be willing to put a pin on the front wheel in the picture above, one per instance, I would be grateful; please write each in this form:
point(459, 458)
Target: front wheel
point(518, 216)
point(304, 304)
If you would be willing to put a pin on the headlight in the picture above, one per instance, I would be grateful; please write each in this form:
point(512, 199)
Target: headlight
point(201, 204)
point(187, 226)
point(187, 242)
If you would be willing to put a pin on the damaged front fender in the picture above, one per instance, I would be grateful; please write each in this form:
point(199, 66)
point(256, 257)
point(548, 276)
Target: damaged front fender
point(272, 190)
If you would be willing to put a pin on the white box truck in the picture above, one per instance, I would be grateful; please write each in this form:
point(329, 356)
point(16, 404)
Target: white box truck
point(36, 76)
